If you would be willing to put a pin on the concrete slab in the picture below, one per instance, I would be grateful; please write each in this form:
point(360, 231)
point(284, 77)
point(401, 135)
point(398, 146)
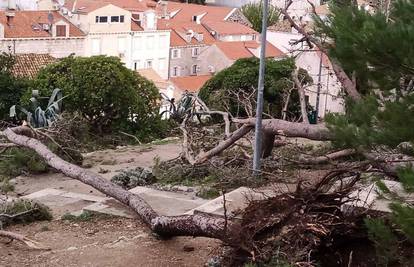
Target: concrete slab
point(44, 192)
point(370, 197)
point(239, 199)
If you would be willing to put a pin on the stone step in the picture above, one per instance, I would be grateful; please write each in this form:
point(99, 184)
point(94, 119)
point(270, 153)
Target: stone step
point(237, 200)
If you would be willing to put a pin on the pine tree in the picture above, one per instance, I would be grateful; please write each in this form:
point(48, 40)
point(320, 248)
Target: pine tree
point(377, 49)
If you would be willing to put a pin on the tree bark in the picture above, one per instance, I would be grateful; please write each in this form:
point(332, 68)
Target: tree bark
point(267, 144)
point(317, 132)
point(302, 98)
point(328, 157)
point(236, 135)
point(186, 225)
point(347, 83)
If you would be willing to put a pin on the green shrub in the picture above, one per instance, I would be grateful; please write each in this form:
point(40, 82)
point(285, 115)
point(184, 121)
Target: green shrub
point(23, 211)
point(17, 161)
point(106, 93)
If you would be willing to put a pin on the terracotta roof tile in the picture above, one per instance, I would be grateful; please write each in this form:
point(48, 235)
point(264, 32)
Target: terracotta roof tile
point(187, 11)
point(238, 50)
point(190, 83)
point(153, 76)
point(228, 28)
point(28, 65)
point(26, 24)
point(87, 6)
point(181, 27)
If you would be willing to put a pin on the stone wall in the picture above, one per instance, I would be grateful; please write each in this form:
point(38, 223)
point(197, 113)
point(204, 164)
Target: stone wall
point(56, 47)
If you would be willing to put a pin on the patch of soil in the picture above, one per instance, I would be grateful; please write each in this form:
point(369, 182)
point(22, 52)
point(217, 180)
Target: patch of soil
point(103, 242)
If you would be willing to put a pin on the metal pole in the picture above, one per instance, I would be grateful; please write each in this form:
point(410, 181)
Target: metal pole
point(260, 89)
point(318, 93)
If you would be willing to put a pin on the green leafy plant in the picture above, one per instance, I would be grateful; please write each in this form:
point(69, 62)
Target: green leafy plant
point(38, 117)
point(254, 13)
point(108, 95)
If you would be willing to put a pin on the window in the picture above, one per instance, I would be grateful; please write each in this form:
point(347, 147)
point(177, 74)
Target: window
point(101, 19)
point(175, 71)
point(61, 30)
point(148, 64)
point(194, 69)
point(137, 65)
point(115, 19)
point(195, 51)
point(176, 53)
point(96, 47)
point(150, 42)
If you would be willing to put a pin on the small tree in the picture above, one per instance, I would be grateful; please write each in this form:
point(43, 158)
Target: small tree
point(104, 91)
point(254, 13)
point(11, 88)
point(234, 89)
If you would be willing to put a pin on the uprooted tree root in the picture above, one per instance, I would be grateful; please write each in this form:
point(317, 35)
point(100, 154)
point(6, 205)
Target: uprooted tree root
point(298, 228)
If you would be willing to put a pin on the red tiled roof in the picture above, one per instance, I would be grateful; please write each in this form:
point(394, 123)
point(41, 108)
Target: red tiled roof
point(182, 27)
point(87, 6)
point(28, 65)
point(135, 26)
point(238, 50)
point(228, 28)
point(187, 11)
point(24, 22)
point(190, 83)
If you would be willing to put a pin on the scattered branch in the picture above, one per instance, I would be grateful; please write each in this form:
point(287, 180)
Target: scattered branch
point(29, 242)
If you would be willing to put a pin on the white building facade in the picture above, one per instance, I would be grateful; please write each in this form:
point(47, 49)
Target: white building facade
point(131, 36)
point(325, 85)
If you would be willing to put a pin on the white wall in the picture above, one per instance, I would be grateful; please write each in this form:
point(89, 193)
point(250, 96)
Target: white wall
point(330, 99)
point(29, 4)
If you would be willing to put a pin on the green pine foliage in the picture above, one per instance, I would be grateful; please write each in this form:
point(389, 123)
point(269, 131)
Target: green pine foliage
point(377, 50)
point(254, 13)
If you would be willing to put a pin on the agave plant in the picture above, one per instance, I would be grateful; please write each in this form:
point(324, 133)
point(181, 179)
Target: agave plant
point(38, 117)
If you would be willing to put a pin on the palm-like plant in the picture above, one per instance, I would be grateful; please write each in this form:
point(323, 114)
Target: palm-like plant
point(253, 12)
point(38, 117)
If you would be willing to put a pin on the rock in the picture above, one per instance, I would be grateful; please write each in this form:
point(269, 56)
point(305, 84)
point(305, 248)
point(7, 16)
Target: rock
point(71, 248)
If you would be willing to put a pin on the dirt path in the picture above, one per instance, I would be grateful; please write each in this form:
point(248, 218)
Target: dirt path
point(104, 242)
point(105, 162)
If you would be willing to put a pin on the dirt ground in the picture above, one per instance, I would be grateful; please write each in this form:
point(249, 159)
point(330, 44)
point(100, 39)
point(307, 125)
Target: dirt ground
point(103, 242)
point(105, 162)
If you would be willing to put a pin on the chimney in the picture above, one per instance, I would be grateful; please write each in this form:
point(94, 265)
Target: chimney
point(11, 4)
point(10, 16)
point(164, 9)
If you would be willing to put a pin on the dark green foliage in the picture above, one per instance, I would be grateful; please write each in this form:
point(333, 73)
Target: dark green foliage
point(106, 93)
point(366, 124)
point(132, 178)
point(85, 216)
point(384, 240)
point(23, 211)
point(378, 52)
point(11, 88)
point(219, 92)
point(254, 13)
point(17, 161)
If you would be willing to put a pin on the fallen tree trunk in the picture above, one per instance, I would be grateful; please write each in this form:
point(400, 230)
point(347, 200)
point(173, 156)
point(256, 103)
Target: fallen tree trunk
point(328, 157)
point(317, 132)
point(186, 225)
